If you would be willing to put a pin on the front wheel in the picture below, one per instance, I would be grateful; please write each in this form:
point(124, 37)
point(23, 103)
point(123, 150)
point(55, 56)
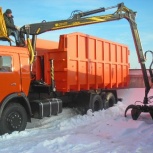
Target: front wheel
point(14, 118)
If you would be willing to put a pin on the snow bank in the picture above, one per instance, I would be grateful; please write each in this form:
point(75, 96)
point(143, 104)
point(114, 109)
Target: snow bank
point(106, 131)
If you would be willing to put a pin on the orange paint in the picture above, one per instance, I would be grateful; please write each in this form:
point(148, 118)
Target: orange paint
point(18, 78)
point(81, 62)
point(84, 62)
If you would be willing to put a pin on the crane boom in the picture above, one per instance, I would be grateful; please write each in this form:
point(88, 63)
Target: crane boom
point(78, 19)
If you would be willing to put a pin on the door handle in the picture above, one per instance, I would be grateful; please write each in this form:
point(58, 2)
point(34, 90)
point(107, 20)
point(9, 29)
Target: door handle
point(13, 84)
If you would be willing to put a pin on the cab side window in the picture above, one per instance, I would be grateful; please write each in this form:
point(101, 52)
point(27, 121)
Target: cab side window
point(5, 64)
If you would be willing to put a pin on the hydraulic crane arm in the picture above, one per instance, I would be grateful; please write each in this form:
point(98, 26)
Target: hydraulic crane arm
point(75, 20)
point(80, 19)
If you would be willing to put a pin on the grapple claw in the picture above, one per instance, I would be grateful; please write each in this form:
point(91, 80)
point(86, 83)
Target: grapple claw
point(129, 107)
point(137, 109)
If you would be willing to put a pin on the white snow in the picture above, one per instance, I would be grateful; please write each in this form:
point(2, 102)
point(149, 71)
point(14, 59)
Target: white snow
point(106, 131)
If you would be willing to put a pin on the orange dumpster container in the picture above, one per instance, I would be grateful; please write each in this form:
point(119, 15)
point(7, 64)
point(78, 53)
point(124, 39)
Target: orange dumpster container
point(84, 62)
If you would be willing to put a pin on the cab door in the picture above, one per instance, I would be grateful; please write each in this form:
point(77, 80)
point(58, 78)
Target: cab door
point(9, 74)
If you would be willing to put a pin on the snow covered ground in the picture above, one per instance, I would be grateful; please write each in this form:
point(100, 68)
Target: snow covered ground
point(106, 131)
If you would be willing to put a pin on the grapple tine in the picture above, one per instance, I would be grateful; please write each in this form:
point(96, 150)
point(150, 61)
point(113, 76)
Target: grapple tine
point(135, 113)
point(129, 107)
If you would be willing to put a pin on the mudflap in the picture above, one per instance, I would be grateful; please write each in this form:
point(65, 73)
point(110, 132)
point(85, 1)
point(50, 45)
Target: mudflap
point(46, 107)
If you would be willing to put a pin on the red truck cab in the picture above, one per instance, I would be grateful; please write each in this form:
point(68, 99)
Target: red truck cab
point(14, 71)
point(14, 86)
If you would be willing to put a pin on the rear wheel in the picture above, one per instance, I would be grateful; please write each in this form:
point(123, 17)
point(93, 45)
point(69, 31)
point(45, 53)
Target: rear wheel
point(14, 118)
point(96, 103)
point(109, 100)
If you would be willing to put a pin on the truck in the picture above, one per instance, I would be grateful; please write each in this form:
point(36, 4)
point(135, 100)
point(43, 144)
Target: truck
point(80, 71)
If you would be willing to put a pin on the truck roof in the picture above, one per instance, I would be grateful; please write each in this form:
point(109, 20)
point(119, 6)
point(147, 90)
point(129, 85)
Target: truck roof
point(14, 49)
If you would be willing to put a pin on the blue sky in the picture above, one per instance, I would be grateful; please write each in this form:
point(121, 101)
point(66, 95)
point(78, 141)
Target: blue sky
point(34, 11)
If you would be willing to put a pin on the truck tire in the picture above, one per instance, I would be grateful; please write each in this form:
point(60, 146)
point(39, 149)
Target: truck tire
point(14, 118)
point(109, 100)
point(103, 96)
point(96, 103)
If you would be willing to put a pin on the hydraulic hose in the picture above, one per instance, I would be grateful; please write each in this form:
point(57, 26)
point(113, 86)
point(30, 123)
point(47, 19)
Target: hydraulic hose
point(31, 51)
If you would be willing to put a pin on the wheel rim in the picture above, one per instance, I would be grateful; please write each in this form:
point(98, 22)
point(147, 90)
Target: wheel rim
point(14, 121)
